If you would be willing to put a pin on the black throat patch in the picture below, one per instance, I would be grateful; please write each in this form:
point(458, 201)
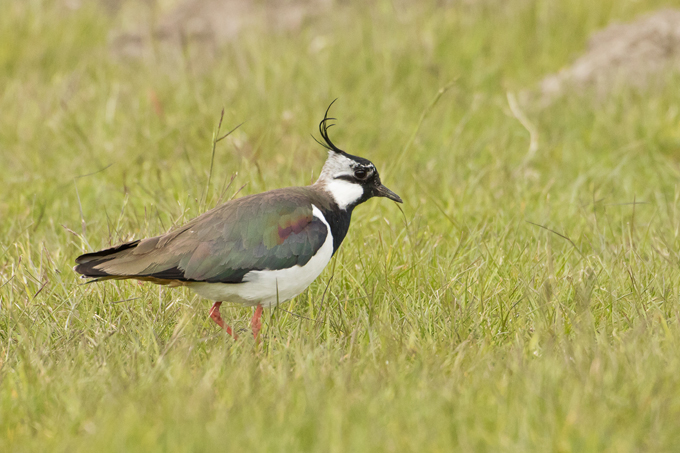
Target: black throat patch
point(338, 220)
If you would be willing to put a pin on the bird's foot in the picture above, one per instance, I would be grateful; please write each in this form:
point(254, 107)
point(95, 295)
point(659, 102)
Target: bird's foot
point(215, 316)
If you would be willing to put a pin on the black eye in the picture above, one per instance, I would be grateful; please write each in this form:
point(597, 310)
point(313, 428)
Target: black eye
point(360, 173)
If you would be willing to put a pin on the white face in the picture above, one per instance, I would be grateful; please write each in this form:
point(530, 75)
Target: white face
point(344, 192)
point(338, 177)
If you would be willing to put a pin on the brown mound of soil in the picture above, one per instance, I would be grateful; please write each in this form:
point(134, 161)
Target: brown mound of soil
point(215, 22)
point(629, 54)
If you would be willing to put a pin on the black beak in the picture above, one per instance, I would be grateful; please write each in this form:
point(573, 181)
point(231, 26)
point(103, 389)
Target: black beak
point(382, 191)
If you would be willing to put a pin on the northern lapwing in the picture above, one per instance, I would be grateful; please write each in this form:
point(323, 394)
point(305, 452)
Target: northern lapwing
point(258, 250)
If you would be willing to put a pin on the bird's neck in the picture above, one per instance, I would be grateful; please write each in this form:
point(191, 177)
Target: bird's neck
point(338, 218)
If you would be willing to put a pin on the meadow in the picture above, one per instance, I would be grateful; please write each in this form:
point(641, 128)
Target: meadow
point(523, 298)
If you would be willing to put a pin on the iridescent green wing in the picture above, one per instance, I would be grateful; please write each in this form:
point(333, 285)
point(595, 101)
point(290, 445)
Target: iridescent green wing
point(269, 231)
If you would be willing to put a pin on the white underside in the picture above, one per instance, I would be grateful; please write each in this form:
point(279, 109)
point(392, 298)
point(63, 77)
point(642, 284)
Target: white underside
point(269, 288)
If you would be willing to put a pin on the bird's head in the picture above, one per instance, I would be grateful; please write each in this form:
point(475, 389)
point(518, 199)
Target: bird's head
point(349, 179)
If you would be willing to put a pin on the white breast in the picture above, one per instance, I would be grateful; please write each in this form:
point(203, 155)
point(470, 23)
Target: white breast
point(270, 287)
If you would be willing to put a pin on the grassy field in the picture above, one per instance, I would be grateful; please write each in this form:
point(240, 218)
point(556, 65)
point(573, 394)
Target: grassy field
point(520, 302)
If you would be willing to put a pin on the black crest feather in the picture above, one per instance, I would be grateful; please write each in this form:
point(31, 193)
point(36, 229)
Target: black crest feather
point(323, 130)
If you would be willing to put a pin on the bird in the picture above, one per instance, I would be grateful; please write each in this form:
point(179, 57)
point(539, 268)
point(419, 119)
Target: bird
point(257, 250)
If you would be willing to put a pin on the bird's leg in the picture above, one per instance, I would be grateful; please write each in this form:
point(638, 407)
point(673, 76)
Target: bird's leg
point(256, 321)
point(215, 316)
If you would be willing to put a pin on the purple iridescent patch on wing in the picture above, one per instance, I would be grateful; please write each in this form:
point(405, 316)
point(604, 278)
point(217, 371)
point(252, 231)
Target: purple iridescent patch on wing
point(292, 226)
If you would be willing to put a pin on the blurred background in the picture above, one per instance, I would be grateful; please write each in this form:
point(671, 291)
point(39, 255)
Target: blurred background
point(449, 89)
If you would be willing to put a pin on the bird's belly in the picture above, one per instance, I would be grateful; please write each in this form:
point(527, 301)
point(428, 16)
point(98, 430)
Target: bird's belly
point(269, 287)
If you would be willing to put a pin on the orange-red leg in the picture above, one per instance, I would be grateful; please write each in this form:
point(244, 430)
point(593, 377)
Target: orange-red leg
point(215, 316)
point(256, 321)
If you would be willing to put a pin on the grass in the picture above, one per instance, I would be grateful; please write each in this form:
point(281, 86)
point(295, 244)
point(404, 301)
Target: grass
point(517, 304)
